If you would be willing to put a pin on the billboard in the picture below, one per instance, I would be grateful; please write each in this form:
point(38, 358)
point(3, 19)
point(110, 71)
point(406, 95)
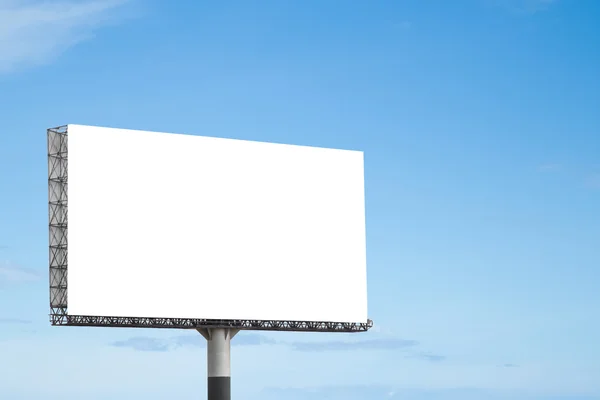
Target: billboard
point(165, 225)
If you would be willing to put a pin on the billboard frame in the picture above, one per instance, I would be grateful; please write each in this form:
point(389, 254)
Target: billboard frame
point(57, 144)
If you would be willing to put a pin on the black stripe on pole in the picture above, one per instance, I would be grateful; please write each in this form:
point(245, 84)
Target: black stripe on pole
point(219, 388)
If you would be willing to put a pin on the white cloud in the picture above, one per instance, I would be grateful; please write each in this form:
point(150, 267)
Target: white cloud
point(11, 274)
point(549, 167)
point(593, 182)
point(33, 32)
point(14, 321)
point(524, 7)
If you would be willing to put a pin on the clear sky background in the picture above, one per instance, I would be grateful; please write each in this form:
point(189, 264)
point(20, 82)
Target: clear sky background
point(480, 123)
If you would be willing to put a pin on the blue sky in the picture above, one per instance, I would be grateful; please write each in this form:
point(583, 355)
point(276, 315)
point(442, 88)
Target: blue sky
point(480, 123)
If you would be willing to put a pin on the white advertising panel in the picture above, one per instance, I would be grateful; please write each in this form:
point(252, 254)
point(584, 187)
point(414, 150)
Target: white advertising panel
point(181, 226)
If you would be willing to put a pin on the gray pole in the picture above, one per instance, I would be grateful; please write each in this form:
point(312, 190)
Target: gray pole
point(218, 347)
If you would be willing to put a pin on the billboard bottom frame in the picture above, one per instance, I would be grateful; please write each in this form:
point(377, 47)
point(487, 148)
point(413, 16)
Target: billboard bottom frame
point(61, 318)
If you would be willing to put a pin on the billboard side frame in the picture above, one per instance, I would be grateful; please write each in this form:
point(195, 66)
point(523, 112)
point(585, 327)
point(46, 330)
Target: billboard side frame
point(57, 222)
point(57, 143)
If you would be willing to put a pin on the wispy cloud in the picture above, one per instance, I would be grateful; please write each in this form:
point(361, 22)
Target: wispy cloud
point(143, 343)
point(11, 273)
point(34, 32)
point(252, 339)
point(523, 7)
point(339, 345)
point(588, 176)
point(410, 347)
point(549, 167)
point(402, 25)
point(381, 329)
point(372, 392)
point(509, 365)
point(194, 340)
point(241, 339)
point(349, 392)
point(257, 339)
point(593, 182)
point(427, 356)
point(16, 321)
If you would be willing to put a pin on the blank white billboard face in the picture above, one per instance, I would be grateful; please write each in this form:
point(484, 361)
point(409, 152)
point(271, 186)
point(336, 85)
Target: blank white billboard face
point(180, 226)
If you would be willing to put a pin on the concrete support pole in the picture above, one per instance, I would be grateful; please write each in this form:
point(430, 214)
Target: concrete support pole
point(218, 348)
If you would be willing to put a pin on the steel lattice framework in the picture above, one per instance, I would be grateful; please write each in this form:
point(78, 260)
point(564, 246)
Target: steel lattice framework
point(57, 204)
point(58, 211)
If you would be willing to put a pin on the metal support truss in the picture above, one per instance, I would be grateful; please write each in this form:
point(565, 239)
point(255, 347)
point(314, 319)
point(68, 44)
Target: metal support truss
point(57, 202)
point(189, 323)
point(57, 208)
